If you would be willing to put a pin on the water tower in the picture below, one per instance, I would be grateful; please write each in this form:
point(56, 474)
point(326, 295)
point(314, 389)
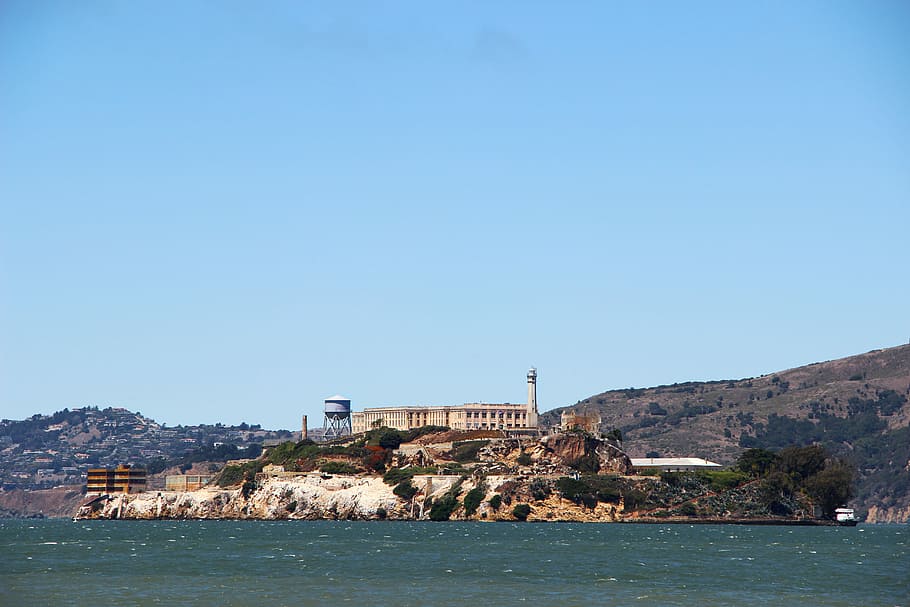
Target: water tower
point(337, 417)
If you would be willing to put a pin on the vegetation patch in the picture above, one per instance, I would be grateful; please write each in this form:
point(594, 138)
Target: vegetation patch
point(405, 490)
point(467, 451)
point(336, 467)
point(472, 500)
point(237, 473)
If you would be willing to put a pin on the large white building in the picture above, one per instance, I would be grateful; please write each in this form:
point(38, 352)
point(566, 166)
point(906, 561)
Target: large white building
point(469, 416)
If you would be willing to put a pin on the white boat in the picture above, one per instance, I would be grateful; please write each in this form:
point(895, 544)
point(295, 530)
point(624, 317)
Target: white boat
point(844, 516)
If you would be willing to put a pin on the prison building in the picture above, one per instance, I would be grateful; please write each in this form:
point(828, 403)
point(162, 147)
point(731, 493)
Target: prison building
point(469, 416)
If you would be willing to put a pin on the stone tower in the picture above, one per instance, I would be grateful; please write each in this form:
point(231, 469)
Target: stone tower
point(532, 398)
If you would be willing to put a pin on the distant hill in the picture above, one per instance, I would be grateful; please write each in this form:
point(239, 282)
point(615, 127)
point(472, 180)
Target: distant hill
point(47, 451)
point(856, 406)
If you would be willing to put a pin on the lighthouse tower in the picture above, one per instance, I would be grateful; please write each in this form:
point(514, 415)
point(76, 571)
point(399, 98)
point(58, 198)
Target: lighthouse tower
point(532, 397)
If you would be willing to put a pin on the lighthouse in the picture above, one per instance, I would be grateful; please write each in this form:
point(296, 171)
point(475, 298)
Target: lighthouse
point(532, 397)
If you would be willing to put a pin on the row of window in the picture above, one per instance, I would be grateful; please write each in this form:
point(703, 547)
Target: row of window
point(483, 415)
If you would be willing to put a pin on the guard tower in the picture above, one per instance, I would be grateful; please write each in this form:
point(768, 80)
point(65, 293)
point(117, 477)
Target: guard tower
point(337, 421)
point(532, 397)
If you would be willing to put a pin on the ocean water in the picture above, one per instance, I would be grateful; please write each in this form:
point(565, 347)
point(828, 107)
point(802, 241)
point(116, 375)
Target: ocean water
point(256, 563)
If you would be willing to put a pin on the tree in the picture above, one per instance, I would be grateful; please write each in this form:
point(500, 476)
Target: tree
point(756, 462)
point(832, 487)
point(405, 489)
point(443, 508)
point(390, 439)
point(800, 463)
point(472, 500)
point(521, 512)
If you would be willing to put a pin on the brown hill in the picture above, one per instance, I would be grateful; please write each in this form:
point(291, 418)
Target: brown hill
point(857, 406)
point(43, 503)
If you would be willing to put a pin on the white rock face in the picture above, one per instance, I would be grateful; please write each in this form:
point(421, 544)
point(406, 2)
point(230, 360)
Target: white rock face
point(305, 497)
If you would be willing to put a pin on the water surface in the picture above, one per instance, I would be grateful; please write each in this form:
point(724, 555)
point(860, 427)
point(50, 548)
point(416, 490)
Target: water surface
point(257, 563)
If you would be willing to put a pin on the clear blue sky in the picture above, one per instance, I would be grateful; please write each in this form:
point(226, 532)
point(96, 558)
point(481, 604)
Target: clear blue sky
point(221, 211)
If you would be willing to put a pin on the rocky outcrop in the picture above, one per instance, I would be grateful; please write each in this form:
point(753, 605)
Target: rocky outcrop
point(897, 515)
point(312, 497)
point(304, 497)
point(572, 448)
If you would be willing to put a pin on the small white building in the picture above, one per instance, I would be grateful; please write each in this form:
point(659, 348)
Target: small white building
point(674, 464)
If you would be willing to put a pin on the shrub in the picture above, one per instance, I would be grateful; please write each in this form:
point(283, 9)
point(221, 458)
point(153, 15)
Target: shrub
point(575, 491)
point(724, 480)
point(472, 500)
point(334, 467)
point(234, 475)
point(443, 508)
point(606, 488)
point(540, 489)
point(405, 489)
point(521, 512)
point(390, 439)
point(524, 459)
point(292, 506)
point(381, 513)
point(586, 464)
point(396, 475)
point(688, 509)
point(495, 502)
point(467, 451)
point(634, 499)
point(656, 409)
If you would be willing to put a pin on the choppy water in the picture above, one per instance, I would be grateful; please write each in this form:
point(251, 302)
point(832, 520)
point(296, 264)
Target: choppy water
point(299, 563)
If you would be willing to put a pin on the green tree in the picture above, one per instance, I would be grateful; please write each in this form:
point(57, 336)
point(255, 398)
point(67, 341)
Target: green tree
point(800, 463)
point(442, 509)
point(756, 462)
point(405, 489)
point(832, 487)
point(521, 512)
point(472, 500)
point(390, 439)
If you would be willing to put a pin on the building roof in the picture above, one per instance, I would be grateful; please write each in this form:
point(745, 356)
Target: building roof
point(672, 462)
point(338, 397)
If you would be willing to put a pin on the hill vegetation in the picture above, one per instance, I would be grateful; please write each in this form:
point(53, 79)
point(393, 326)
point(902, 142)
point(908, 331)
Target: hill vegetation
point(856, 408)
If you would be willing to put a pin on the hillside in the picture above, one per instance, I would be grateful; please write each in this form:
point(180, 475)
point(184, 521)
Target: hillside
point(857, 407)
point(47, 451)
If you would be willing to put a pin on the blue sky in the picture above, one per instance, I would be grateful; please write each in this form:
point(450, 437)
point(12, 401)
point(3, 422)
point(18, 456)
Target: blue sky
point(217, 211)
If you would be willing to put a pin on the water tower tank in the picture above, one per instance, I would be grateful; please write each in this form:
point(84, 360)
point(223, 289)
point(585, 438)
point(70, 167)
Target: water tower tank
point(338, 406)
point(337, 422)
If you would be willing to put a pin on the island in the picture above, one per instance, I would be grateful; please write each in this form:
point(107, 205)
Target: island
point(438, 474)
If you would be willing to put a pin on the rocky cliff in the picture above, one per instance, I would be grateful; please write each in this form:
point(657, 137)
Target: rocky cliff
point(312, 497)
